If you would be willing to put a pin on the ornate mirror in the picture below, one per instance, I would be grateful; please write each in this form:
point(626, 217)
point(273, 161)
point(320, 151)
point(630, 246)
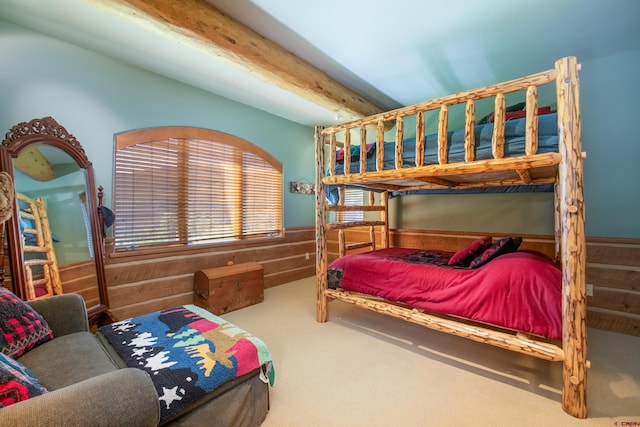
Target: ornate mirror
point(55, 240)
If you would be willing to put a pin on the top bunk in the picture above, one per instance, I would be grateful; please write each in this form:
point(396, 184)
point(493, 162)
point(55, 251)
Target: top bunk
point(516, 145)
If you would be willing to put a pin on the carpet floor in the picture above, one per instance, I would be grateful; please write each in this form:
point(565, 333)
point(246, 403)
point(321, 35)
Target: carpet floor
point(365, 369)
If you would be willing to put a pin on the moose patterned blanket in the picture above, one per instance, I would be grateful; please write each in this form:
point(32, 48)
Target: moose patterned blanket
point(188, 352)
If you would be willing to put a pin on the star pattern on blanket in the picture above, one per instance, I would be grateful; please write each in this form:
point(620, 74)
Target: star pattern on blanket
point(169, 395)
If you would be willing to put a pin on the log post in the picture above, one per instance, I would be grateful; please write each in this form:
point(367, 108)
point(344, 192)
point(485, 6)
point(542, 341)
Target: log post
point(399, 142)
point(321, 226)
point(363, 149)
point(499, 117)
point(443, 135)
point(332, 153)
point(420, 129)
point(384, 214)
point(469, 132)
point(347, 151)
point(572, 239)
point(372, 230)
point(380, 146)
point(531, 139)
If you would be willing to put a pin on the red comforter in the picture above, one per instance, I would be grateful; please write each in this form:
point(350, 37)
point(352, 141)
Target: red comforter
point(519, 290)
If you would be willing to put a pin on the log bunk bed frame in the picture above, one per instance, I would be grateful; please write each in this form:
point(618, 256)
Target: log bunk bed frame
point(563, 168)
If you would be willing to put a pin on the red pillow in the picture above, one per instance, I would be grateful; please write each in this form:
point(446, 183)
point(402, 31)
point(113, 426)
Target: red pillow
point(17, 382)
point(497, 248)
point(464, 256)
point(21, 327)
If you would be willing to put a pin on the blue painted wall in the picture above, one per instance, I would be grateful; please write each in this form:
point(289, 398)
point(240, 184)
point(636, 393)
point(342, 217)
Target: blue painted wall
point(95, 97)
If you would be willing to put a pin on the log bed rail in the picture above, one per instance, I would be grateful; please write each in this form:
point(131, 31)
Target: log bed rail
point(563, 168)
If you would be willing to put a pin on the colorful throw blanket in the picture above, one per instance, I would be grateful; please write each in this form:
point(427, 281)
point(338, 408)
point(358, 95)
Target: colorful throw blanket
point(188, 352)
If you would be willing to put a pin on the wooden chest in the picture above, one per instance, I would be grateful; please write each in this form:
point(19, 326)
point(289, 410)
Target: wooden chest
point(224, 289)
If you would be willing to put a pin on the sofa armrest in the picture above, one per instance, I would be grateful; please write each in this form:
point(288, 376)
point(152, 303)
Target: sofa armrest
point(125, 397)
point(64, 313)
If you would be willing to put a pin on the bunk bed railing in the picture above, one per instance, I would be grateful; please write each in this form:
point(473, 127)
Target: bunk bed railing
point(535, 169)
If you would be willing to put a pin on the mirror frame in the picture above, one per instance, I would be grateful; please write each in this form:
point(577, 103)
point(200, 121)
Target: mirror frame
point(47, 130)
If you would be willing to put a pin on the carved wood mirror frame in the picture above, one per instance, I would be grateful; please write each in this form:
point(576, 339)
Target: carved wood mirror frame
point(48, 131)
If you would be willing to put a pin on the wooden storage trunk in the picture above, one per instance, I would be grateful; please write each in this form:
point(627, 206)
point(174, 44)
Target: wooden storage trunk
point(224, 289)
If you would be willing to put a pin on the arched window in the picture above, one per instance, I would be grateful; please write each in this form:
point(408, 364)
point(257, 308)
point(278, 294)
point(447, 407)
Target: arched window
point(179, 186)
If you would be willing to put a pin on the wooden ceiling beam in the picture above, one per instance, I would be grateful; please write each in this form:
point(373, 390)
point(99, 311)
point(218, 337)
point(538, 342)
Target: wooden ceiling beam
point(224, 38)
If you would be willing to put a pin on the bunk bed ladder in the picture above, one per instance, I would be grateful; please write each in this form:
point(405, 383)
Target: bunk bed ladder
point(369, 239)
point(40, 263)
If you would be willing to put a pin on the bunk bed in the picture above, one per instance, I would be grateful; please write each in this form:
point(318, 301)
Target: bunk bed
point(452, 161)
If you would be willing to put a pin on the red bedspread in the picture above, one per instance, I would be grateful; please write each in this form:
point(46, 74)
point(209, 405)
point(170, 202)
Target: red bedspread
point(519, 290)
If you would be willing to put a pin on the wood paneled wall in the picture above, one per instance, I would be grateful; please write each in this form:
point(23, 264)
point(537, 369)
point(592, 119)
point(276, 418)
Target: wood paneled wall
point(80, 278)
point(143, 283)
point(613, 270)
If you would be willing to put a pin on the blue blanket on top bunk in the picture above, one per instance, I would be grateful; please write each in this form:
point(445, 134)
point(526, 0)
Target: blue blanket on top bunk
point(514, 145)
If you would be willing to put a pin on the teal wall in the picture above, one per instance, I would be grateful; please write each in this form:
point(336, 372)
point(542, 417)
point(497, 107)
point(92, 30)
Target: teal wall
point(95, 97)
point(610, 91)
point(610, 96)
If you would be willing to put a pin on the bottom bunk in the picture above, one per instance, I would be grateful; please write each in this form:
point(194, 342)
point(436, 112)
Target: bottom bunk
point(513, 297)
point(491, 291)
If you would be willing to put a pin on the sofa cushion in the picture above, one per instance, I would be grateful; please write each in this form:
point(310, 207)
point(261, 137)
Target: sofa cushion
point(67, 360)
point(17, 383)
point(22, 327)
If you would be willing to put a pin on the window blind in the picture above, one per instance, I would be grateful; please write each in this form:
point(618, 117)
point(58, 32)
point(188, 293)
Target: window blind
point(193, 190)
point(352, 197)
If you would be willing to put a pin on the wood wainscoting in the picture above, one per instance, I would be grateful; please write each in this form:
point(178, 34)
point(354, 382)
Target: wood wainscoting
point(613, 269)
point(146, 282)
point(80, 278)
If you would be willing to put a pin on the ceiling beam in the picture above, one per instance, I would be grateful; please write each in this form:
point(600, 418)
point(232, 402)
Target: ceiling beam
point(204, 27)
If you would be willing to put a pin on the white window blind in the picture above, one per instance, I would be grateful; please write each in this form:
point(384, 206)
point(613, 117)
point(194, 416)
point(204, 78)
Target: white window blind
point(352, 197)
point(185, 186)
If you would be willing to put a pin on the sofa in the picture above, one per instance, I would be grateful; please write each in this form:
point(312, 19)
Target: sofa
point(87, 383)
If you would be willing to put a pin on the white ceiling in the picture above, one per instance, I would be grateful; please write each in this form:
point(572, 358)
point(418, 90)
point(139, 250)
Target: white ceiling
point(393, 53)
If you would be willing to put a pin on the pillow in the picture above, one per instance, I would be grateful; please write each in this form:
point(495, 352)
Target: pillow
point(464, 256)
point(22, 327)
point(497, 248)
point(17, 382)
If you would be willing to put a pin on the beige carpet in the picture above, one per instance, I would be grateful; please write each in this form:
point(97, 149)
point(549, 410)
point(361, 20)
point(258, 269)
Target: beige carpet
point(365, 369)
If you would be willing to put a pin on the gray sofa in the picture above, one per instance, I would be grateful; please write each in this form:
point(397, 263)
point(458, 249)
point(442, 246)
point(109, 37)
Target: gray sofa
point(86, 387)
point(89, 384)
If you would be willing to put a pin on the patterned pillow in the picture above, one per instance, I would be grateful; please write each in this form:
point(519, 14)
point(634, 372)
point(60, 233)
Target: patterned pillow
point(22, 328)
point(464, 256)
point(497, 248)
point(17, 382)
